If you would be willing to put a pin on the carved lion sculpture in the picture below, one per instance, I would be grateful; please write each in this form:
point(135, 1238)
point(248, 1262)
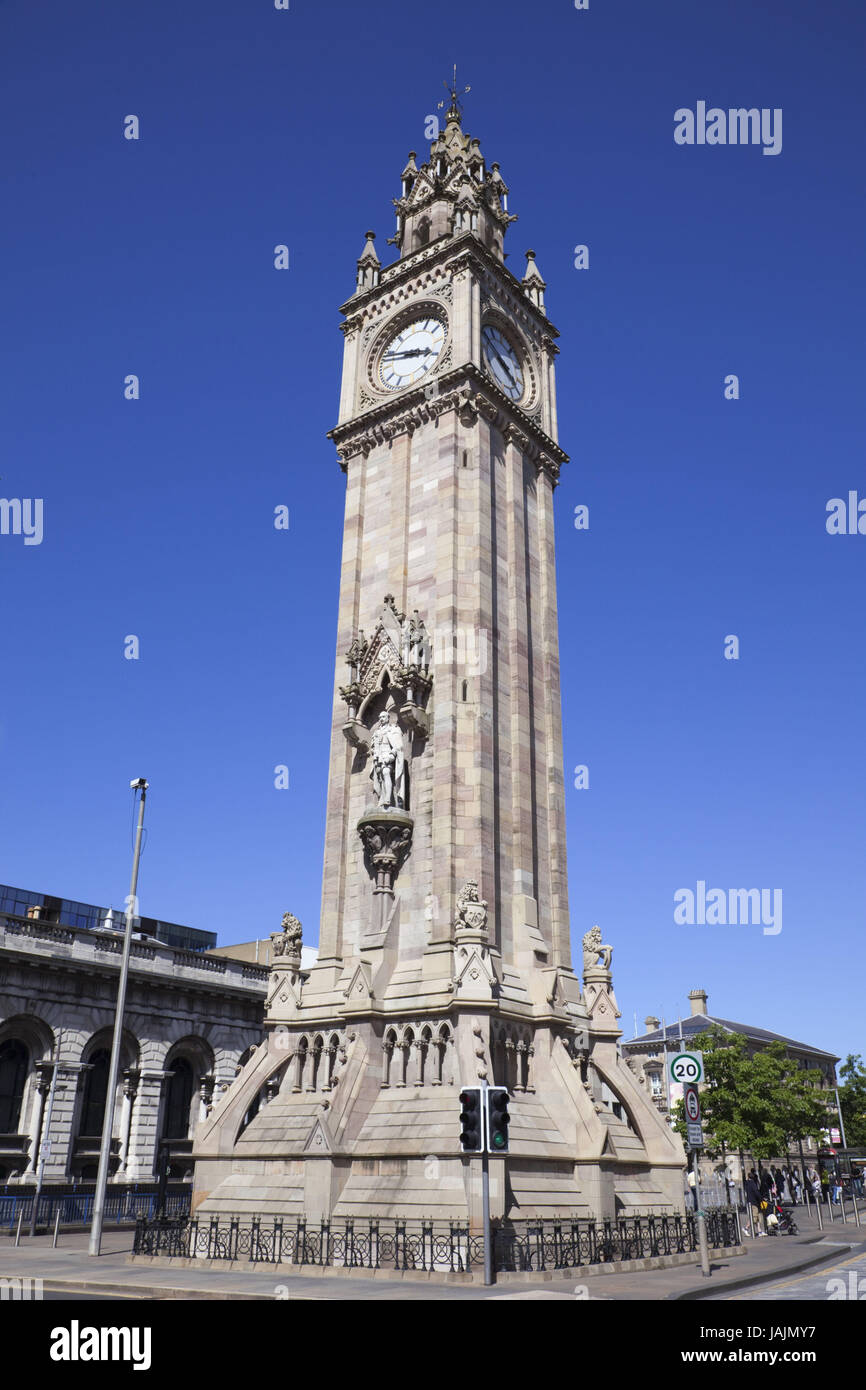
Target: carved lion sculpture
point(593, 947)
point(288, 941)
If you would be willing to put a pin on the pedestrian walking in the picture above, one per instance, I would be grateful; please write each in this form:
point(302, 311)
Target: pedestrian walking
point(753, 1197)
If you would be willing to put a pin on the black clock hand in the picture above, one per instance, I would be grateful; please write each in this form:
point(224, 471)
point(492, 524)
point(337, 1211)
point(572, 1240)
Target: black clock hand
point(507, 368)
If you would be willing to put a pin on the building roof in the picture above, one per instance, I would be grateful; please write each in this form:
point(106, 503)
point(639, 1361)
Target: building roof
point(696, 1024)
point(68, 912)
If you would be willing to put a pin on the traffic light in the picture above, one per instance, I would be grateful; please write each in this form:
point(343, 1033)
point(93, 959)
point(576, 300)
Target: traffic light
point(497, 1119)
point(471, 1124)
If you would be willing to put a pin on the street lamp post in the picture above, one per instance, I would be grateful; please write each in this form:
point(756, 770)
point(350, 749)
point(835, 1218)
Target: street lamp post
point(114, 1066)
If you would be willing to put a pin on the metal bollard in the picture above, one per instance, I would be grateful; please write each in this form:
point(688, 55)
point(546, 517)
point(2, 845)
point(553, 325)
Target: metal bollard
point(56, 1229)
point(18, 1232)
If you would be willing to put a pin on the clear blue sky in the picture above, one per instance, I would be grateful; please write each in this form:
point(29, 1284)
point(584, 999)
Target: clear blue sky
point(707, 516)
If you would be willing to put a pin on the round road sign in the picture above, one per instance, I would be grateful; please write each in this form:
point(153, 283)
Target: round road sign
point(686, 1067)
point(693, 1106)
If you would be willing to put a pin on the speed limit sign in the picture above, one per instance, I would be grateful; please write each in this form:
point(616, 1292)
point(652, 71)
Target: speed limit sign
point(686, 1068)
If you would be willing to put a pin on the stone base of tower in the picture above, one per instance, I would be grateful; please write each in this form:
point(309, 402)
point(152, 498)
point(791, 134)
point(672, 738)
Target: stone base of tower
point(358, 1116)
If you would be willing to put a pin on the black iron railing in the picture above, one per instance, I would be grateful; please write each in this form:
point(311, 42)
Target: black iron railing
point(432, 1246)
point(122, 1208)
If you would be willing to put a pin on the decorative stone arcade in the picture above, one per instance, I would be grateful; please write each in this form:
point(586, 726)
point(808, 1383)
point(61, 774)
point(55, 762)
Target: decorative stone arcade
point(444, 940)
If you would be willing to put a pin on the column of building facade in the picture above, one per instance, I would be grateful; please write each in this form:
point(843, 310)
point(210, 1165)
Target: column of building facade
point(543, 764)
point(560, 932)
point(144, 1127)
point(480, 770)
point(60, 1133)
point(523, 852)
point(445, 468)
point(337, 829)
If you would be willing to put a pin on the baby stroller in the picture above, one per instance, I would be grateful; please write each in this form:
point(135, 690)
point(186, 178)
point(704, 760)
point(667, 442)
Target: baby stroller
point(779, 1221)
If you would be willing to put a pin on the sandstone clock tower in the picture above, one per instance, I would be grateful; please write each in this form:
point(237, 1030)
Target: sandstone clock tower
point(444, 942)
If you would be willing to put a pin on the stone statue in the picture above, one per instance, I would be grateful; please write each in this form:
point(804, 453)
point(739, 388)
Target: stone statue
point(288, 941)
point(388, 764)
point(471, 910)
point(593, 947)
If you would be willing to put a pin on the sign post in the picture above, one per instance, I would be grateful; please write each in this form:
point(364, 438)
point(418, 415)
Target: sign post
point(695, 1133)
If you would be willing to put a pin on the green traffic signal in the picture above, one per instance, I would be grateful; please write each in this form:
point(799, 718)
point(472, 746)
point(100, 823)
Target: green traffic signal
point(497, 1119)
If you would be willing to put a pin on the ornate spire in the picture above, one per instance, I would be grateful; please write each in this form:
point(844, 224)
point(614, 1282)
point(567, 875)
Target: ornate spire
point(533, 283)
point(455, 110)
point(368, 264)
point(452, 192)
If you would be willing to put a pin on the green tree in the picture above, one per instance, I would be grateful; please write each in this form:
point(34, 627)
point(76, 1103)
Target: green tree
point(758, 1100)
point(852, 1099)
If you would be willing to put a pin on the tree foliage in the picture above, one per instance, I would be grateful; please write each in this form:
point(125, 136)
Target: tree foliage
point(756, 1099)
point(852, 1100)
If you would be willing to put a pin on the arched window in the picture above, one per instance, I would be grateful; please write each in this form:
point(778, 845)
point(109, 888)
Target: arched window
point(388, 1056)
point(406, 1045)
point(424, 1043)
point(300, 1064)
point(318, 1046)
point(178, 1102)
point(14, 1065)
point(441, 1047)
point(333, 1048)
point(95, 1094)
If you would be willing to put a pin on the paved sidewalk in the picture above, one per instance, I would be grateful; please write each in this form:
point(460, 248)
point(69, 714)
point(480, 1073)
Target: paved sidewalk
point(70, 1269)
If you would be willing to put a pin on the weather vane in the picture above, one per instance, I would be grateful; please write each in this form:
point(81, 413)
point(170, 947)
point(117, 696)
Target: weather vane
point(451, 89)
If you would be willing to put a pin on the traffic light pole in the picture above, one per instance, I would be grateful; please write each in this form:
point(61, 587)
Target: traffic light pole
point(485, 1216)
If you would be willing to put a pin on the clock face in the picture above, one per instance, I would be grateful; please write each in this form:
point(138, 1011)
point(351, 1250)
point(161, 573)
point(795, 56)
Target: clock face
point(411, 352)
point(502, 362)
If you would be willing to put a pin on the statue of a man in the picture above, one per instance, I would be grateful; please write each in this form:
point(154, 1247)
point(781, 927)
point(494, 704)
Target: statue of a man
point(388, 765)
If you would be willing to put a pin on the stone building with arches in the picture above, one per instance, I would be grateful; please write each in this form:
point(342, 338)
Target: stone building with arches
point(191, 1021)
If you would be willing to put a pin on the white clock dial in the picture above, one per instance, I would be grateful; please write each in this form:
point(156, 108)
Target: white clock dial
point(502, 362)
point(411, 352)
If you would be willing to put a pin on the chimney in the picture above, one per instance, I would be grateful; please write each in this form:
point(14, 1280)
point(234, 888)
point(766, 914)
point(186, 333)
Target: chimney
point(650, 1023)
point(698, 1000)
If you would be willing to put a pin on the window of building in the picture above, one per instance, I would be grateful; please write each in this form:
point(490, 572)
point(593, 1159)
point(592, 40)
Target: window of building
point(95, 1094)
point(179, 1100)
point(14, 1063)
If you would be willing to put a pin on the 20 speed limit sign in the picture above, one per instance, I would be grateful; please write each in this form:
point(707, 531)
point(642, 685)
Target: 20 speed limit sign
point(686, 1068)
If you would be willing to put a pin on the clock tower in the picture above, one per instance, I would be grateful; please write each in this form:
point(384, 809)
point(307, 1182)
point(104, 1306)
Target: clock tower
point(444, 941)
